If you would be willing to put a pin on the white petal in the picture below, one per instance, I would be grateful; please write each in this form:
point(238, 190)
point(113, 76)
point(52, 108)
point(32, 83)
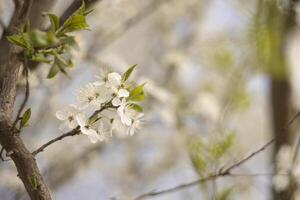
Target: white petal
point(81, 119)
point(99, 83)
point(123, 93)
point(130, 130)
point(116, 101)
point(114, 79)
point(73, 108)
point(63, 126)
point(61, 115)
point(93, 136)
point(126, 120)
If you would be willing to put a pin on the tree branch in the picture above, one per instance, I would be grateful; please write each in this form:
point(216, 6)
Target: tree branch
point(24, 161)
point(111, 36)
point(73, 132)
point(221, 172)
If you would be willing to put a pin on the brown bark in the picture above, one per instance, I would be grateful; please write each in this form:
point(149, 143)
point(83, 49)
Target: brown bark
point(281, 96)
point(37, 9)
point(11, 142)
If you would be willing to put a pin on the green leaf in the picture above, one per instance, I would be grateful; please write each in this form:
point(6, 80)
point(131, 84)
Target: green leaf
point(39, 57)
point(137, 93)
point(53, 71)
point(70, 41)
point(221, 147)
point(25, 118)
point(39, 38)
point(76, 22)
point(26, 27)
point(62, 62)
point(19, 40)
point(195, 149)
point(128, 72)
point(225, 194)
point(54, 21)
point(136, 107)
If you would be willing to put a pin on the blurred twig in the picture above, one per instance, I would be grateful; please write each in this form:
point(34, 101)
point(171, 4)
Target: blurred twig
point(221, 172)
point(111, 36)
point(74, 6)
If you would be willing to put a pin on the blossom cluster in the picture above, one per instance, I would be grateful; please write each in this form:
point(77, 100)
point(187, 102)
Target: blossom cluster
point(105, 106)
point(288, 168)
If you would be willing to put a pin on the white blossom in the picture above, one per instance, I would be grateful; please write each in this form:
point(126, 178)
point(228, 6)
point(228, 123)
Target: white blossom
point(118, 127)
point(106, 98)
point(88, 129)
point(125, 112)
point(92, 95)
point(68, 115)
point(136, 124)
point(102, 79)
point(117, 87)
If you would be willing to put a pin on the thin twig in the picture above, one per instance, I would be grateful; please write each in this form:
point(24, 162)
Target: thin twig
point(27, 93)
point(221, 172)
point(201, 180)
point(250, 156)
point(73, 132)
point(109, 37)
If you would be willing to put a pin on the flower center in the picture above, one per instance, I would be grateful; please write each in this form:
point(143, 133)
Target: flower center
point(90, 99)
point(70, 118)
point(122, 86)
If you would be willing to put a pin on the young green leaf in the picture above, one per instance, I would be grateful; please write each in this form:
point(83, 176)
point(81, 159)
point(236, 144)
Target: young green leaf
point(221, 147)
point(225, 194)
point(75, 22)
point(39, 57)
point(70, 42)
point(198, 160)
point(136, 107)
point(19, 40)
point(137, 93)
point(25, 118)
point(26, 27)
point(128, 72)
point(53, 71)
point(54, 21)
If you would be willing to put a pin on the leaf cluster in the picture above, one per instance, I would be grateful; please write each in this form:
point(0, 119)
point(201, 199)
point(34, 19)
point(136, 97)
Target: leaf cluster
point(52, 46)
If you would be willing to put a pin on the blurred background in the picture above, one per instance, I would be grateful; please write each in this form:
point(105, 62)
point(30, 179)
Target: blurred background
point(222, 80)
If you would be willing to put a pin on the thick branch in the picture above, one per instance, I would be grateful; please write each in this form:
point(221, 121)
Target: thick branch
point(24, 161)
